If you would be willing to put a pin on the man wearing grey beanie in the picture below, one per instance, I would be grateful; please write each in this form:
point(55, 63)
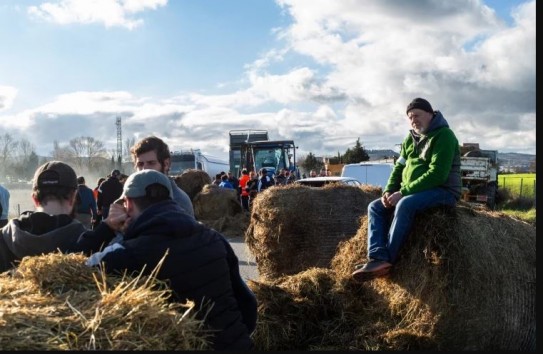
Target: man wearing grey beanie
point(426, 174)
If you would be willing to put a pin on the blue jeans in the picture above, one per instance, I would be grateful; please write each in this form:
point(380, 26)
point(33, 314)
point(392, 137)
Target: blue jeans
point(388, 227)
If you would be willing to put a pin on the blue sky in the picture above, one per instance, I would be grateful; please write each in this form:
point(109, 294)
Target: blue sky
point(321, 72)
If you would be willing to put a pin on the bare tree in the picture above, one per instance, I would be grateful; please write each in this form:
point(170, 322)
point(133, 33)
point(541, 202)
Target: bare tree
point(25, 159)
point(7, 147)
point(128, 143)
point(60, 153)
point(87, 152)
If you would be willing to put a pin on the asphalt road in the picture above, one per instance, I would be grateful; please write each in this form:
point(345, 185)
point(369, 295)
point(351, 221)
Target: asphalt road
point(247, 265)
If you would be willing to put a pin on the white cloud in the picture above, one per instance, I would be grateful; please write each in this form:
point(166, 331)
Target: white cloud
point(363, 61)
point(7, 96)
point(111, 13)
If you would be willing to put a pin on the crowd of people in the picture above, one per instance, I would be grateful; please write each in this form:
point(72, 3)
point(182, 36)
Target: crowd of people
point(249, 183)
point(132, 224)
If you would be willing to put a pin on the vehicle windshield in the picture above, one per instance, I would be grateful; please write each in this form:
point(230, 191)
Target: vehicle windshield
point(180, 163)
point(273, 159)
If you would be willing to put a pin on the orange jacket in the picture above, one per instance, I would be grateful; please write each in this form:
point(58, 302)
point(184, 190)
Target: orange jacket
point(243, 183)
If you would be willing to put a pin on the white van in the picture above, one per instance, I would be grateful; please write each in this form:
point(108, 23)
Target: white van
point(369, 173)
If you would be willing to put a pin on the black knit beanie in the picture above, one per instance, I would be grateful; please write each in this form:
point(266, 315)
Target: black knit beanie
point(420, 103)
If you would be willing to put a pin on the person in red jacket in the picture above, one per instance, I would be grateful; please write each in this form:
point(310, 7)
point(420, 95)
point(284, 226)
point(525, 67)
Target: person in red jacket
point(244, 190)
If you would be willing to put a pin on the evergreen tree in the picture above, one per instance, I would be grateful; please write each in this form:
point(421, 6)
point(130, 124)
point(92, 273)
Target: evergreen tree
point(356, 154)
point(311, 163)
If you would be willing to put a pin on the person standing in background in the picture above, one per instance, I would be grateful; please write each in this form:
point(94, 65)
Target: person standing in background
point(264, 181)
point(108, 192)
point(225, 183)
point(244, 190)
point(86, 211)
point(98, 217)
point(4, 205)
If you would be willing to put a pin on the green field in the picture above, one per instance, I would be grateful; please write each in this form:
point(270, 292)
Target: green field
point(519, 185)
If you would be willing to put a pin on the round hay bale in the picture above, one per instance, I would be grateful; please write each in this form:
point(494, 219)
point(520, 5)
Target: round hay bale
point(293, 227)
point(192, 181)
point(466, 278)
point(214, 202)
point(230, 226)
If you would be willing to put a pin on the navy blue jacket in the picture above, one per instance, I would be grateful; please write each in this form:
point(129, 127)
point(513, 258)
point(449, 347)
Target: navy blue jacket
point(87, 203)
point(200, 266)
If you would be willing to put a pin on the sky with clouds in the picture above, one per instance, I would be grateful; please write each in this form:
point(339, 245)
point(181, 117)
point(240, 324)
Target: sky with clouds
point(323, 73)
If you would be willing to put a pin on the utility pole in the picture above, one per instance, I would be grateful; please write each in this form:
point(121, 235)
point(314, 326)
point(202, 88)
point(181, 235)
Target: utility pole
point(119, 143)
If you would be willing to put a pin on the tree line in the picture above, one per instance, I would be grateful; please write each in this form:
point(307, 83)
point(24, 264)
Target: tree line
point(85, 154)
point(352, 155)
point(88, 155)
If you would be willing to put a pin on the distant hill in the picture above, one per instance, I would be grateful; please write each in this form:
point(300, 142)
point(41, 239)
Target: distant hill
point(508, 161)
point(385, 154)
point(513, 161)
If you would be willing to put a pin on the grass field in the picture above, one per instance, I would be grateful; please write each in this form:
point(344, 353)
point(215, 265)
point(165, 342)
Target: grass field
point(20, 201)
point(520, 185)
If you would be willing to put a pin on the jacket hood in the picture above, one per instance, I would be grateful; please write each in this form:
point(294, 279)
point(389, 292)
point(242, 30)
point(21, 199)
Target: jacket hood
point(35, 233)
point(164, 214)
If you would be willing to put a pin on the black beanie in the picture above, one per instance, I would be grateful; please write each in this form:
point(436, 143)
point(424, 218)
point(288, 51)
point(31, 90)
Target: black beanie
point(420, 103)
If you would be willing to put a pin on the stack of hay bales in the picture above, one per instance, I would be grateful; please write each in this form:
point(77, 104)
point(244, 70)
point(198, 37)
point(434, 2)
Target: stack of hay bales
point(215, 207)
point(192, 181)
point(465, 280)
point(56, 302)
point(220, 209)
point(294, 227)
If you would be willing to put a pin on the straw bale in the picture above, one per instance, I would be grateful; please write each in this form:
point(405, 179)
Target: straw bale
point(192, 181)
point(214, 202)
point(465, 280)
point(293, 227)
point(230, 226)
point(55, 302)
point(313, 310)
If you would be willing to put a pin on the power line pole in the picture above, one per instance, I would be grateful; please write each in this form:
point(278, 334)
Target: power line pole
point(119, 143)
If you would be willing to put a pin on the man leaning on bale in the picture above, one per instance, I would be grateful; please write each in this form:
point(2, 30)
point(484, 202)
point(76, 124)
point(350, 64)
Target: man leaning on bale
point(198, 262)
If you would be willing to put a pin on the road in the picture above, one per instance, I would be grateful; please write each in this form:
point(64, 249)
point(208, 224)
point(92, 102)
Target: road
point(247, 265)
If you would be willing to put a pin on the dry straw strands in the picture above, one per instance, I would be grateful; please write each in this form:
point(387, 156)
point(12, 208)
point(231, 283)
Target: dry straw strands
point(56, 302)
point(293, 227)
point(465, 280)
point(192, 181)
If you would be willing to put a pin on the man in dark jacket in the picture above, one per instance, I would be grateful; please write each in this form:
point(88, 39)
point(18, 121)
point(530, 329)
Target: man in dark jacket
point(52, 225)
point(108, 192)
point(86, 204)
point(199, 263)
point(264, 181)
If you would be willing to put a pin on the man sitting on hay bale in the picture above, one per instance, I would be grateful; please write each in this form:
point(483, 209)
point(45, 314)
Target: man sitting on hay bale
point(427, 174)
point(196, 261)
